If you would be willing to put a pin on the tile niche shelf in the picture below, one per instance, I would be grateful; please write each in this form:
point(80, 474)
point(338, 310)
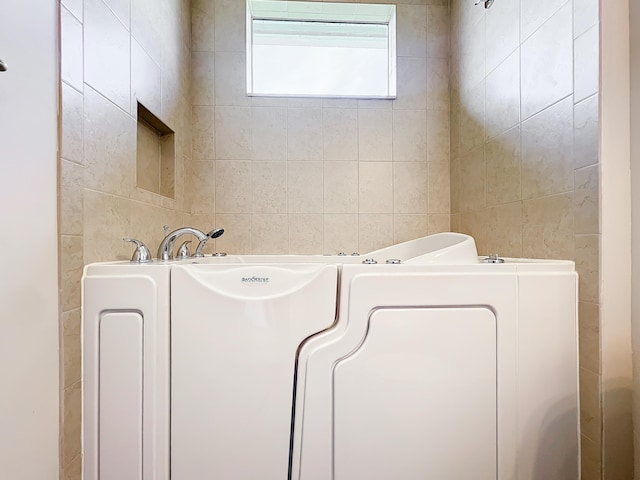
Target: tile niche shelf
point(155, 154)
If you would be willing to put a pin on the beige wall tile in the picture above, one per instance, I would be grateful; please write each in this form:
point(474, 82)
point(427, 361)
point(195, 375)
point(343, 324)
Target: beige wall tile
point(408, 227)
point(586, 13)
point(233, 187)
point(585, 134)
point(269, 187)
point(203, 132)
point(106, 223)
point(146, 224)
point(340, 133)
point(409, 192)
point(409, 135)
point(548, 227)
point(454, 173)
point(147, 159)
point(202, 75)
point(72, 49)
point(586, 64)
point(438, 136)
point(304, 134)
point(73, 470)
point(72, 140)
point(229, 26)
point(374, 231)
point(145, 80)
point(591, 459)
point(202, 25)
point(533, 16)
point(439, 187)
point(589, 336)
point(590, 405)
point(340, 187)
point(503, 96)
point(305, 187)
point(439, 223)
point(503, 32)
point(375, 188)
point(472, 118)
point(547, 73)
point(71, 350)
point(201, 189)
point(475, 224)
point(147, 27)
point(586, 200)
point(472, 52)
point(438, 84)
point(269, 133)
point(411, 22)
point(438, 22)
point(71, 263)
point(112, 78)
point(340, 233)
point(412, 79)
point(305, 233)
point(504, 230)
point(233, 133)
point(109, 146)
point(71, 198)
point(231, 79)
point(374, 134)
point(74, 7)
point(587, 266)
point(237, 234)
point(71, 433)
point(472, 180)
point(504, 183)
point(547, 151)
point(121, 9)
point(269, 234)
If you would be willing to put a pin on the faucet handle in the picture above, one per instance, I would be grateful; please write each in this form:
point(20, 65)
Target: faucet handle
point(141, 254)
point(183, 250)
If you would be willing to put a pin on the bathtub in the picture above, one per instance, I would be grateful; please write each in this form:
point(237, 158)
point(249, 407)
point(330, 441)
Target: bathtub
point(415, 361)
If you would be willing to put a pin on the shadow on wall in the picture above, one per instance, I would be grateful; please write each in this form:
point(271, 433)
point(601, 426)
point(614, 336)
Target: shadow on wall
point(617, 431)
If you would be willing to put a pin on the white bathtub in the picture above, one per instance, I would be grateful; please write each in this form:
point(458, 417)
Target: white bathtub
point(328, 368)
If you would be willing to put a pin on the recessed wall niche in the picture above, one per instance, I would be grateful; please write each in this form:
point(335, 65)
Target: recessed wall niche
point(155, 154)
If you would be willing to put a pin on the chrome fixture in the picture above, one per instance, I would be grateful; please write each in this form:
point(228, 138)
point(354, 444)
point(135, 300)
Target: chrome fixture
point(487, 3)
point(369, 261)
point(3, 66)
point(183, 250)
point(165, 250)
point(393, 261)
point(141, 254)
point(215, 233)
point(493, 259)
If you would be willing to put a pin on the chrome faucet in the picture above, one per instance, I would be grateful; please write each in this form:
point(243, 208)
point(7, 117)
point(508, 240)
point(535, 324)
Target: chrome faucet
point(165, 250)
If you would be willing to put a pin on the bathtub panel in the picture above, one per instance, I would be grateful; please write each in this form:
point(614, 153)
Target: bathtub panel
point(418, 396)
point(235, 333)
point(120, 404)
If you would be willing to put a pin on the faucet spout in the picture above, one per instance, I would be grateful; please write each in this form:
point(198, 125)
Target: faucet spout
point(165, 250)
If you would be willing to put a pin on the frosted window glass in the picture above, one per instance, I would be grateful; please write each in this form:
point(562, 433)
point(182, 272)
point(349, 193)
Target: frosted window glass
point(330, 54)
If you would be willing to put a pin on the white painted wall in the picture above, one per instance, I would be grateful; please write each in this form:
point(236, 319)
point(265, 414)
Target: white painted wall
point(28, 230)
point(615, 259)
point(634, 16)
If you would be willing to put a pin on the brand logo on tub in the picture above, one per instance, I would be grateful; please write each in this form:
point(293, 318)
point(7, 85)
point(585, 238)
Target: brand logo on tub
point(255, 280)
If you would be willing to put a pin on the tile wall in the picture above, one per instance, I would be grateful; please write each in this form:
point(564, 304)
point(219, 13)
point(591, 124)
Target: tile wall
point(319, 176)
point(113, 53)
point(524, 153)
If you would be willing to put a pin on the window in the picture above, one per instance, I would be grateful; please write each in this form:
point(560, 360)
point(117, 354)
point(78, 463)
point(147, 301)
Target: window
point(320, 49)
